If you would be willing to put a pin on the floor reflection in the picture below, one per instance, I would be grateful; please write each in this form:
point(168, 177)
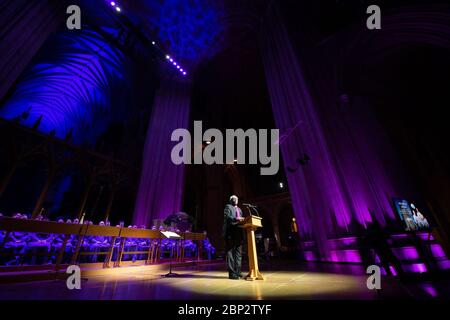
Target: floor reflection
point(283, 281)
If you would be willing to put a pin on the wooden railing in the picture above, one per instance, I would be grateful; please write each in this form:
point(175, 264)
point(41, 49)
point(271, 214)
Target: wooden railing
point(9, 225)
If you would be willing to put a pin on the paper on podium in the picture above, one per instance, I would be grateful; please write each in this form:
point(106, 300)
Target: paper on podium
point(171, 235)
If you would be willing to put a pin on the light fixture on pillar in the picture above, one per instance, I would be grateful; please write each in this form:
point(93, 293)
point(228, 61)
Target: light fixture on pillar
point(118, 9)
point(116, 6)
point(176, 65)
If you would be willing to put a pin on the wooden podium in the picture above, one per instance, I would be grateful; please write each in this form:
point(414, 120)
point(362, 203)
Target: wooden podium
point(250, 224)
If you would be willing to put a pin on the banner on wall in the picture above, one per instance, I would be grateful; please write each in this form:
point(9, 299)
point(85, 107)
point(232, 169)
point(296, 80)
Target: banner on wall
point(409, 214)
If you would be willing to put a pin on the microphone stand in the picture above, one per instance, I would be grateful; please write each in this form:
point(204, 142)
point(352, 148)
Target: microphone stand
point(254, 208)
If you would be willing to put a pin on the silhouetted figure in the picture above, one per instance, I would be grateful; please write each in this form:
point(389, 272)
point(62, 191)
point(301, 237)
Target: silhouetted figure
point(377, 239)
point(361, 240)
point(424, 252)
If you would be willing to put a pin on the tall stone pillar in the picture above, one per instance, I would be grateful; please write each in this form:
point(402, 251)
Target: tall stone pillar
point(161, 186)
point(314, 187)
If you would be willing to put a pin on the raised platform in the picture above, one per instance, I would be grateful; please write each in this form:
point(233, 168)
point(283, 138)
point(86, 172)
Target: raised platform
point(283, 280)
point(47, 272)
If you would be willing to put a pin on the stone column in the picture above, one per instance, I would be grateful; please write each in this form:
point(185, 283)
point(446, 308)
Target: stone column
point(161, 186)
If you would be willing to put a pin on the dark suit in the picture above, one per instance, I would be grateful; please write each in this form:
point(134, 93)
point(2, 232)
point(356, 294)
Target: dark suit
point(233, 236)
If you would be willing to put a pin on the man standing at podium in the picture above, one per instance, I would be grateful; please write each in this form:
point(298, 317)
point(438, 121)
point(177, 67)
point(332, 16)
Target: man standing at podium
point(233, 238)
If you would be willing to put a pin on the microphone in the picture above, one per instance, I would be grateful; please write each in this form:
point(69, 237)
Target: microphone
point(252, 207)
point(249, 205)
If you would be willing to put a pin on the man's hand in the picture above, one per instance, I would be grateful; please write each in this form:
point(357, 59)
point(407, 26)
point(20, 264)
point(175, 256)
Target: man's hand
point(240, 219)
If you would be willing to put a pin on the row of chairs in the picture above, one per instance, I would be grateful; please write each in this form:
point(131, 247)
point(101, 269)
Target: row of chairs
point(21, 248)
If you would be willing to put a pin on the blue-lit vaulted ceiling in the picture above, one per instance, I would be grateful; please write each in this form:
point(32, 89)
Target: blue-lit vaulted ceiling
point(76, 83)
point(191, 30)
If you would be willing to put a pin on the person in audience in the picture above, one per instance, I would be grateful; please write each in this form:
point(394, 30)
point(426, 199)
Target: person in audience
point(208, 248)
point(38, 247)
point(56, 246)
point(154, 243)
point(130, 245)
point(2, 236)
point(99, 244)
point(189, 248)
point(15, 245)
point(116, 248)
point(169, 245)
point(86, 246)
point(143, 245)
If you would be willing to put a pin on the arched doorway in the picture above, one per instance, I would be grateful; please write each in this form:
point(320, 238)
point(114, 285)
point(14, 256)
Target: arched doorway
point(288, 228)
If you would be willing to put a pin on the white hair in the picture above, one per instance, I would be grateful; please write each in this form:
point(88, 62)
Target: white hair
point(233, 196)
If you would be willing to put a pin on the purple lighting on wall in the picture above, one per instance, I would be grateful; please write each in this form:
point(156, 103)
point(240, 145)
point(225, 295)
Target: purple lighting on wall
point(428, 288)
point(415, 268)
point(406, 253)
point(347, 181)
point(351, 256)
point(315, 192)
point(437, 251)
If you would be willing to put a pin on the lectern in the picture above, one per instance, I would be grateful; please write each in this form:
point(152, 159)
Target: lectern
point(250, 224)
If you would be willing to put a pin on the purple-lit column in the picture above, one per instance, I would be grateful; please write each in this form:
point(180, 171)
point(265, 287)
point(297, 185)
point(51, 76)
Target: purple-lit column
point(24, 27)
point(161, 187)
point(315, 188)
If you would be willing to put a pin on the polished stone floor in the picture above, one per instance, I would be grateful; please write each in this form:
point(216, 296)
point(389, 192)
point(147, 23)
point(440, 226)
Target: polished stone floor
point(283, 281)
